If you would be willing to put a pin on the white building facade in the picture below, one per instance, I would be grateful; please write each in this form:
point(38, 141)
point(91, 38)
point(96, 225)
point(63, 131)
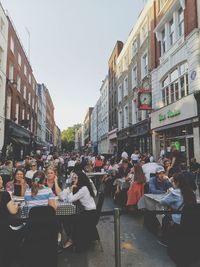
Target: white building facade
point(94, 133)
point(104, 122)
point(41, 131)
point(175, 85)
point(3, 65)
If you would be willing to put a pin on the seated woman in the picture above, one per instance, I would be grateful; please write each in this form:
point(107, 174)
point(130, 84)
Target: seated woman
point(52, 181)
point(136, 190)
point(84, 227)
point(18, 186)
point(39, 194)
point(9, 238)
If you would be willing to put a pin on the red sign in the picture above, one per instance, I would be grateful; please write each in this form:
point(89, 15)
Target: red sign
point(144, 99)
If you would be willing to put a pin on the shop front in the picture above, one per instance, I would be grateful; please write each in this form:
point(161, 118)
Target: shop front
point(112, 142)
point(176, 125)
point(18, 141)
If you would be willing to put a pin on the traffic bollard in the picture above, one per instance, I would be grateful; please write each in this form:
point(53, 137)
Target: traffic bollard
point(117, 237)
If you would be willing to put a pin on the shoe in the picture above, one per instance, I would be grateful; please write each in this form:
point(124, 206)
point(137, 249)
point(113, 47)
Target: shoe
point(162, 243)
point(68, 244)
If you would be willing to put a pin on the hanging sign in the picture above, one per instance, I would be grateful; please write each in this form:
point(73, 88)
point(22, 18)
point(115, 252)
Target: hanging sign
point(144, 99)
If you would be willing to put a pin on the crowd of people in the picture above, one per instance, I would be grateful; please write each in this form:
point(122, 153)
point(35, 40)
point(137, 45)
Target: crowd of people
point(41, 180)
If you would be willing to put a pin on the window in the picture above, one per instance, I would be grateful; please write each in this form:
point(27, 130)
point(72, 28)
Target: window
point(162, 3)
point(29, 78)
point(19, 60)
point(18, 83)
point(17, 111)
point(25, 70)
point(126, 119)
point(134, 77)
point(120, 120)
point(29, 98)
point(134, 48)
point(12, 46)
point(180, 22)
point(2, 26)
point(126, 86)
point(171, 32)
point(1, 57)
point(11, 72)
point(8, 104)
point(143, 33)
point(163, 42)
point(24, 92)
point(175, 86)
point(23, 112)
point(120, 93)
point(144, 65)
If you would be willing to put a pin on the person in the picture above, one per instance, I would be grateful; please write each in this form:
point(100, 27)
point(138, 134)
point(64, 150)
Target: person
point(29, 174)
point(160, 183)
point(19, 180)
point(167, 167)
point(124, 155)
point(175, 160)
point(84, 228)
point(89, 166)
point(124, 169)
point(52, 181)
point(39, 194)
point(135, 157)
point(71, 164)
point(136, 190)
point(9, 238)
point(7, 168)
point(181, 194)
point(98, 164)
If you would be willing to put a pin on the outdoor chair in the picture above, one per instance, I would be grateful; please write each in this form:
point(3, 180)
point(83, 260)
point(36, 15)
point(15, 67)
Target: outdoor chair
point(41, 238)
point(184, 247)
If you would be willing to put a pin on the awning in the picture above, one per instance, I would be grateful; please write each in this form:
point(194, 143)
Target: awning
point(20, 141)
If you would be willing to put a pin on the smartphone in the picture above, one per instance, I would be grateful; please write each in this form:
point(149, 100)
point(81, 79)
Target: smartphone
point(17, 190)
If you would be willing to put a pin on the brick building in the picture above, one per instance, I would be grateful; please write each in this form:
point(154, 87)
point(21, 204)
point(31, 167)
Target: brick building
point(113, 113)
point(21, 99)
point(175, 63)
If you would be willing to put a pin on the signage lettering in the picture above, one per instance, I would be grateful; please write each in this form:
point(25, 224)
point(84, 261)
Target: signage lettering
point(170, 114)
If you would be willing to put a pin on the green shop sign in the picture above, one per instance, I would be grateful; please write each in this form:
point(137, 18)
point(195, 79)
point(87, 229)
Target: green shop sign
point(170, 114)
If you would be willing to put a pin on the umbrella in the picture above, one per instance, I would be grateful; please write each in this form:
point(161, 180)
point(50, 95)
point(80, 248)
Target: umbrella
point(149, 168)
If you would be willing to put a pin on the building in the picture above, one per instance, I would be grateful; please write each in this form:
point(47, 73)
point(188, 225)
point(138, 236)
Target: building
point(104, 122)
point(57, 139)
point(134, 86)
point(3, 65)
point(50, 122)
point(94, 132)
point(175, 62)
point(87, 129)
point(79, 141)
point(21, 100)
point(113, 113)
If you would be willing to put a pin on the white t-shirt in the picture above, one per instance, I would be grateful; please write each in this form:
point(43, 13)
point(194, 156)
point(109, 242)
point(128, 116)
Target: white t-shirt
point(124, 155)
point(30, 174)
point(135, 157)
point(71, 163)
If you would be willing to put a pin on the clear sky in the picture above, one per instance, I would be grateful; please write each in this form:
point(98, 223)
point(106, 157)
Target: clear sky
point(71, 42)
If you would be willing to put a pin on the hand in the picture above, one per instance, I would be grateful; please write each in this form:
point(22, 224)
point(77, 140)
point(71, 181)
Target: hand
point(73, 187)
point(56, 179)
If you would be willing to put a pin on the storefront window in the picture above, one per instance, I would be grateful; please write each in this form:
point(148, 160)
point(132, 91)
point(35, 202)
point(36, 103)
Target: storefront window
point(182, 84)
point(172, 93)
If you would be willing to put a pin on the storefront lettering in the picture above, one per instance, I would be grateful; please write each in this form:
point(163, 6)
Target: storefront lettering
point(170, 114)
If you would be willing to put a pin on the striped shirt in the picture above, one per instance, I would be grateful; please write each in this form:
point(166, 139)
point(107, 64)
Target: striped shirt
point(41, 199)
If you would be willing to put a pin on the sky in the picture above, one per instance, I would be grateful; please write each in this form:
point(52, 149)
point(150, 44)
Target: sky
point(70, 44)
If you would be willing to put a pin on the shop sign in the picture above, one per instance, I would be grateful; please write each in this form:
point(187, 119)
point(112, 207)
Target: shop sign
point(170, 114)
point(144, 99)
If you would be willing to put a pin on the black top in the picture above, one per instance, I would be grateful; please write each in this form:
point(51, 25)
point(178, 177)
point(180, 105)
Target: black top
point(4, 200)
point(123, 172)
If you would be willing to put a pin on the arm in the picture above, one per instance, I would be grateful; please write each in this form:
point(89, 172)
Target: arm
point(173, 162)
point(168, 200)
point(64, 194)
point(57, 187)
point(52, 203)
point(77, 196)
point(153, 189)
point(12, 207)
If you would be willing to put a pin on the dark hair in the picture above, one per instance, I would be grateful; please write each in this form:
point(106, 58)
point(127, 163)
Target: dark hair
point(38, 179)
point(18, 170)
point(78, 167)
point(8, 162)
point(182, 179)
point(125, 161)
point(83, 180)
point(139, 174)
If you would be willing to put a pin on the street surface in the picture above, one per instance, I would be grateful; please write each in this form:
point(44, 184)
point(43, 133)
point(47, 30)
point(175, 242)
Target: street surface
point(139, 247)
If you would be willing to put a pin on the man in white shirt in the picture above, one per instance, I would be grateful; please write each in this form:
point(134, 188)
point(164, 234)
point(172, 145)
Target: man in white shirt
point(33, 170)
point(135, 157)
point(124, 155)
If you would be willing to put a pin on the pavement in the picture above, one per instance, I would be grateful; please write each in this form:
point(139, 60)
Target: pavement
point(138, 246)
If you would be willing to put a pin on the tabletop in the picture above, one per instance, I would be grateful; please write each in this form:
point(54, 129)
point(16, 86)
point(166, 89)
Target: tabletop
point(96, 173)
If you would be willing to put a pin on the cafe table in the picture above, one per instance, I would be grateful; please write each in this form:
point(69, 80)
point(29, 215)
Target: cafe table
point(96, 176)
point(63, 209)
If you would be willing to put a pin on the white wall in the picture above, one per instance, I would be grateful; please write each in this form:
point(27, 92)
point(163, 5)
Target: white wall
point(3, 46)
